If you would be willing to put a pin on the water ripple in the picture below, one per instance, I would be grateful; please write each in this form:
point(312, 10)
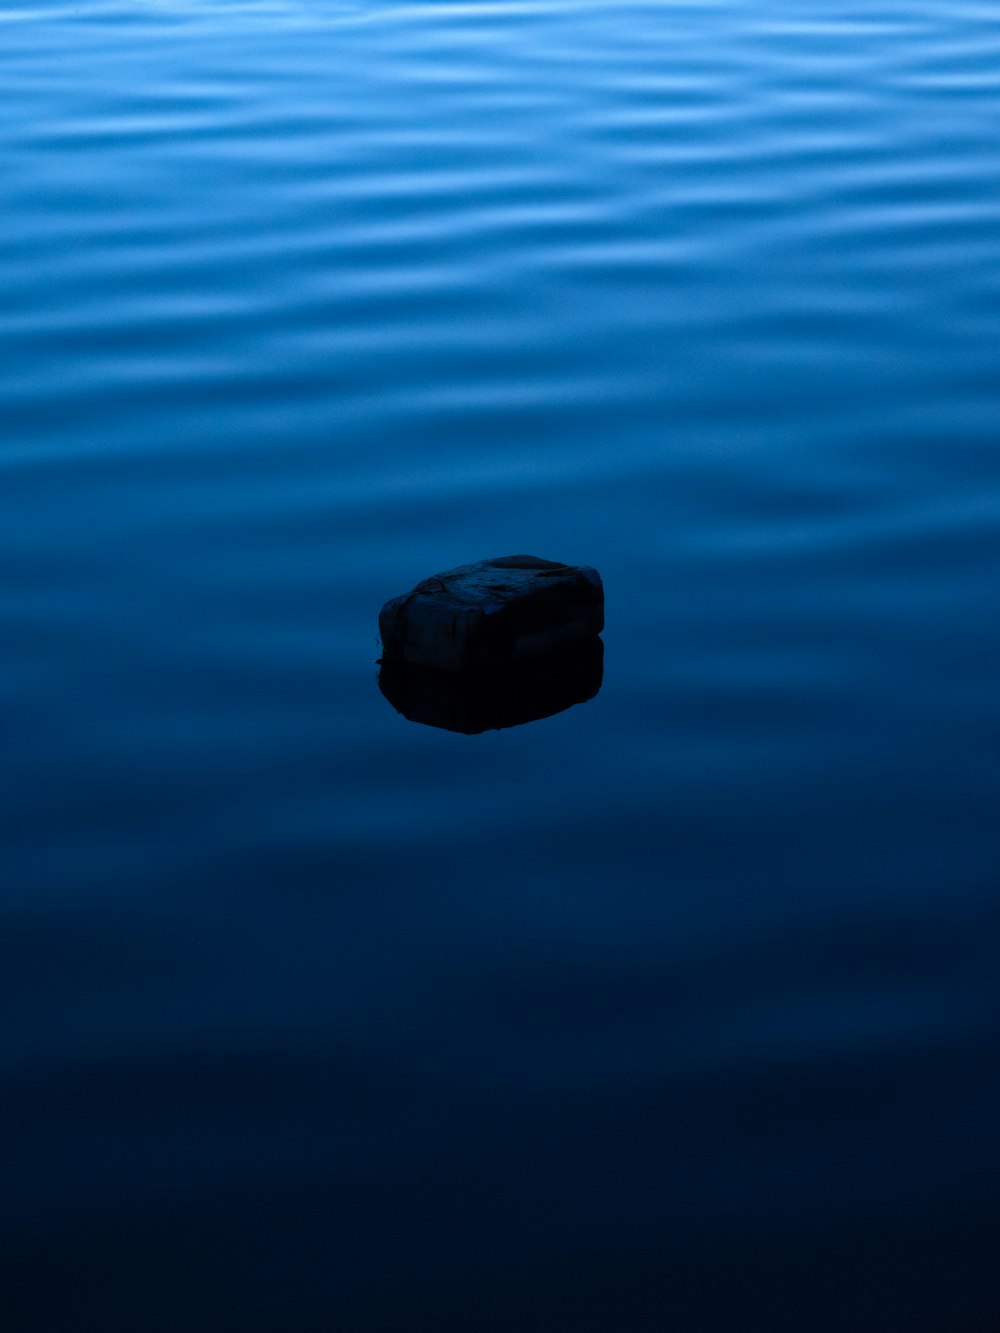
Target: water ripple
point(304, 299)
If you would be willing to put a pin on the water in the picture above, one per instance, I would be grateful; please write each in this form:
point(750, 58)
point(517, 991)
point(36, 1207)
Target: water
point(675, 1010)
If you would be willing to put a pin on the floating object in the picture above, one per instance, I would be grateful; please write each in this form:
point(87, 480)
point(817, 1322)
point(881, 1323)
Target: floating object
point(490, 698)
point(492, 613)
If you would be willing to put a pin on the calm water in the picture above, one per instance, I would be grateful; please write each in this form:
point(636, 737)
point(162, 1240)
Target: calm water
point(678, 1010)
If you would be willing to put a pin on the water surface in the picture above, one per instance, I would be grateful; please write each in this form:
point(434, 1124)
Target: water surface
point(675, 1010)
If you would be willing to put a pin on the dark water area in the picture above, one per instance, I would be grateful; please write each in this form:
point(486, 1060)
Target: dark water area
point(677, 1009)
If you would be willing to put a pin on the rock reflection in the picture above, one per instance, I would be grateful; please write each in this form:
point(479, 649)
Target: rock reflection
point(490, 699)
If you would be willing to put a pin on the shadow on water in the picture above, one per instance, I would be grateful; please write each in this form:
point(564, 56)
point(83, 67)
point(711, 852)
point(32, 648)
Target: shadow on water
point(490, 699)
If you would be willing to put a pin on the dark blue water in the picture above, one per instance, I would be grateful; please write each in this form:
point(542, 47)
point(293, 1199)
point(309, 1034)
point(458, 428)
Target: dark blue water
point(678, 1010)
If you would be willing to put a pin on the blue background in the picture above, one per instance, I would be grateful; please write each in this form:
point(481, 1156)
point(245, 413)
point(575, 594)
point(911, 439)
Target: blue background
point(678, 1010)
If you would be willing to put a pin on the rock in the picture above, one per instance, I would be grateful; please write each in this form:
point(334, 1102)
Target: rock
point(491, 698)
point(510, 609)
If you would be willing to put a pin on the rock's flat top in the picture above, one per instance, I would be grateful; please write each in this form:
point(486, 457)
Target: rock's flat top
point(505, 609)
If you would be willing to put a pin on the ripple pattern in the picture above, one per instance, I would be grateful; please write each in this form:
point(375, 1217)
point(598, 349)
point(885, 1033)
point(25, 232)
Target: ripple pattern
point(677, 1009)
point(436, 212)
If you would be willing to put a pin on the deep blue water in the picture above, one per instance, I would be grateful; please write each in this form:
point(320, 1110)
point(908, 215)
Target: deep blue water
point(676, 1011)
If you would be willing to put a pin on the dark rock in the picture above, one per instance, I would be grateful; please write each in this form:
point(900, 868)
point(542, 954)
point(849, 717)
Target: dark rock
point(491, 698)
point(510, 609)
